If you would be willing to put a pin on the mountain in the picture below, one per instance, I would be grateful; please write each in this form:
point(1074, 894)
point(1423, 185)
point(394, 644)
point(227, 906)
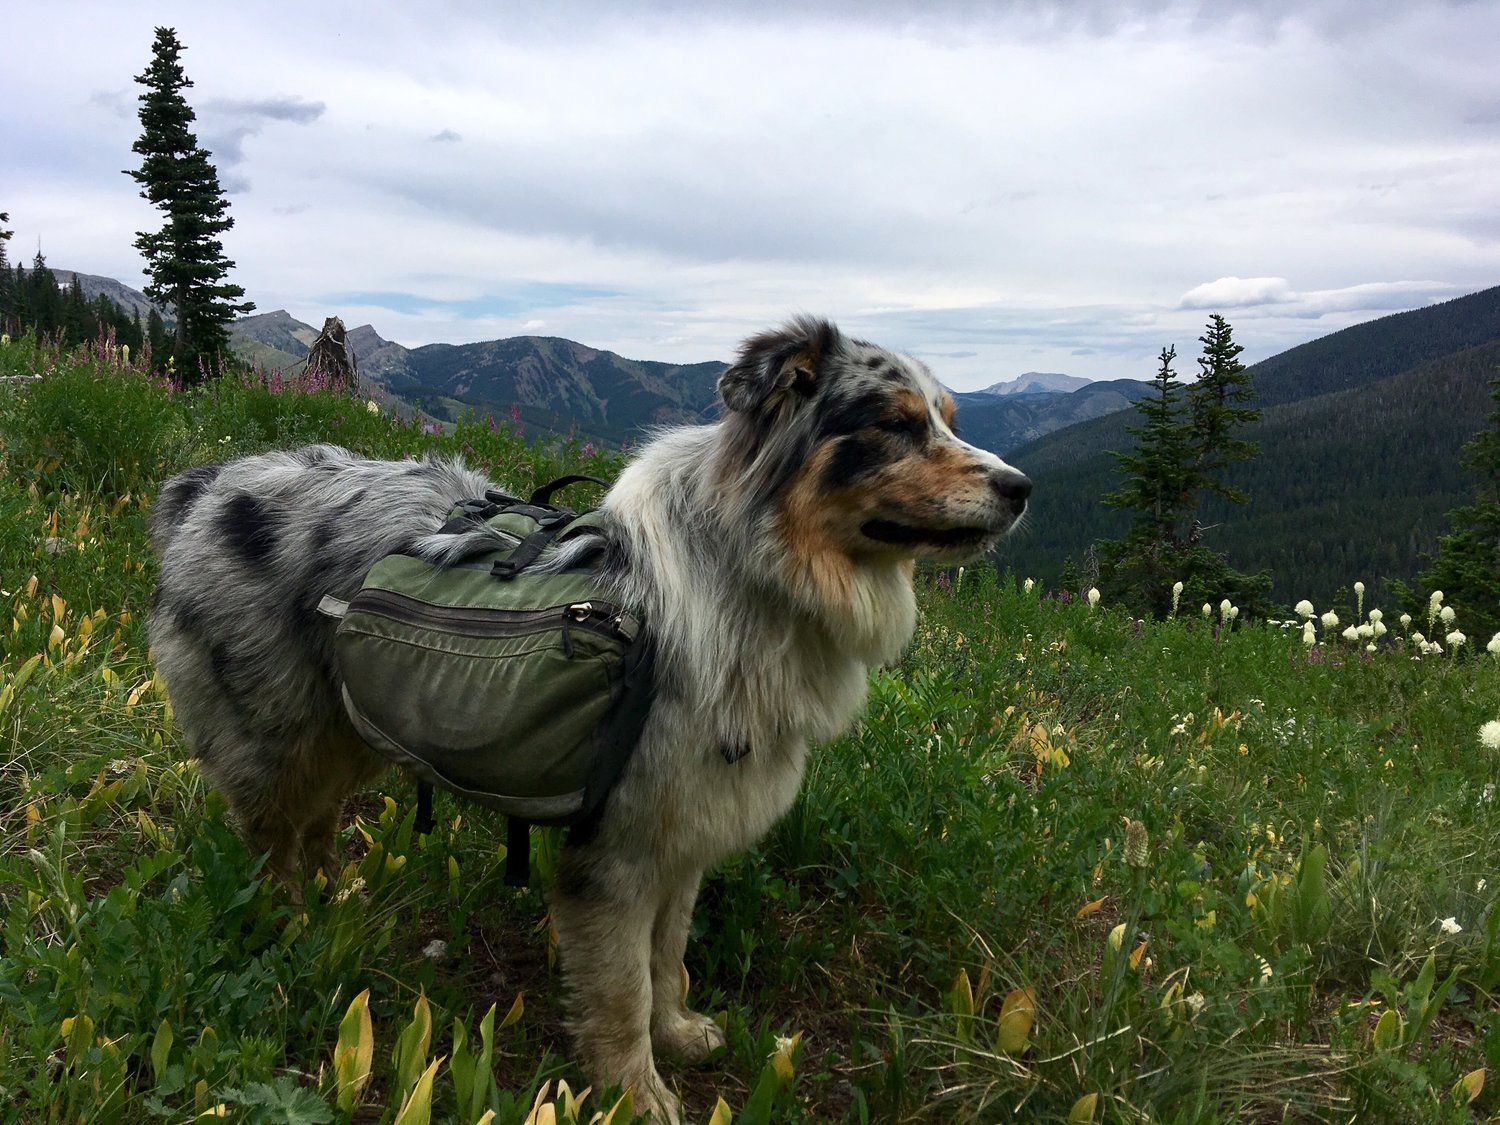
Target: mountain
point(1037, 382)
point(1000, 422)
point(131, 300)
point(1359, 444)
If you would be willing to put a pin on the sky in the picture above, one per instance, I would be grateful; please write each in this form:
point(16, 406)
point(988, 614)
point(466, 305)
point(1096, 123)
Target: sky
point(995, 188)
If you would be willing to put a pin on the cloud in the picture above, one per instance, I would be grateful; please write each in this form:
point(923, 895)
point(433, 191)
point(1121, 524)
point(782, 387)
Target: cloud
point(229, 121)
point(1237, 293)
point(447, 136)
point(288, 108)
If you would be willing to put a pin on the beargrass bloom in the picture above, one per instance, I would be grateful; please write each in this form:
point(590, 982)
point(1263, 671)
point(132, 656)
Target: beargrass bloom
point(1494, 645)
point(1456, 639)
point(1309, 634)
point(1449, 925)
point(1093, 596)
point(1405, 620)
point(1029, 585)
point(1330, 620)
point(1176, 596)
point(1447, 613)
point(1208, 610)
point(372, 406)
point(1304, 608)
point(1489, 735)
point(1350, 634)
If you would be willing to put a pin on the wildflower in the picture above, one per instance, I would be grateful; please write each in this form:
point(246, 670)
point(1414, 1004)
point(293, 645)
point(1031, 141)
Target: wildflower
point(1093, 596)
point(1372, 647)
point(1365, 632)
point(1379, 629)
point(1350, 634)
point(1406, 621)
point(1447, 614)
point(1418, 639)
point(1494, 645)
point(1176, 596)
point(1456, 639)
point(1208, 610)
point(372, 406)
point(1330, 620)
point(1309, 634)
point(1489, 735)
point(1028, 585)
point(959, 584)
point(125, 352)
point(1304, 608)
point(4, 339)
point(1449, 925)
point(1224, 607)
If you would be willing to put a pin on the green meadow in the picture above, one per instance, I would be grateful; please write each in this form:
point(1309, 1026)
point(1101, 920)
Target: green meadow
point(1071, 866)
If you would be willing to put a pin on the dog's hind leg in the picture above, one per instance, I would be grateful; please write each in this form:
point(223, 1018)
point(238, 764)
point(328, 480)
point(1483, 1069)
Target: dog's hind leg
point(604, 910)
point(676, 1029)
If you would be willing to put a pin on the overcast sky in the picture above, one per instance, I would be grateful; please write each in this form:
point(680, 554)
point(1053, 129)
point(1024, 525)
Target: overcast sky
point(996, 188)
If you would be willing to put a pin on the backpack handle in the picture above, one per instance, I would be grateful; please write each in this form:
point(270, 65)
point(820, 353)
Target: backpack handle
point(543, 496)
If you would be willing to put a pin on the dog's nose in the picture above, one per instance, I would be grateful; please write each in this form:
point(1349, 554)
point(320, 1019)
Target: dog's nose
point(1013, 488)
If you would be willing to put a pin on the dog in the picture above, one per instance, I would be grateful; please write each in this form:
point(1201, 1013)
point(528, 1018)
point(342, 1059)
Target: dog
point(772, 552)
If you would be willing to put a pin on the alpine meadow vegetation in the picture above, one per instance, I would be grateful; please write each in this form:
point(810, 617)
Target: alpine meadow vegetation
point(1075, 864)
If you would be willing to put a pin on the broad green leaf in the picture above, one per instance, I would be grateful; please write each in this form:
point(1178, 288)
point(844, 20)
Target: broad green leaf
point(1017, 1014)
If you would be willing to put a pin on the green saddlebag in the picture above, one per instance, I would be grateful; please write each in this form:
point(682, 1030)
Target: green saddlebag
point(523, 691)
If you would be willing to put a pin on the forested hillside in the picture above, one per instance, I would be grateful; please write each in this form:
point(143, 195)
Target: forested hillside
point(1350, 483)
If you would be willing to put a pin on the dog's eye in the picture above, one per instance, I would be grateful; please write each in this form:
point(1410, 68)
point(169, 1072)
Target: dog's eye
point(903, 424)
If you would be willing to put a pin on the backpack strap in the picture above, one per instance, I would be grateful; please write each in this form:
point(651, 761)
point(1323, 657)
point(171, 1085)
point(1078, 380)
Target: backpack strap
point(517, 852)
point(424, 820)
point(542, 497)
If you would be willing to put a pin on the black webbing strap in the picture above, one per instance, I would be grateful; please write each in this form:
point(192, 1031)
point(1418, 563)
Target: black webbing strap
point(543, 495)
point(532, 546)
point(424, 823)
point(517, 852)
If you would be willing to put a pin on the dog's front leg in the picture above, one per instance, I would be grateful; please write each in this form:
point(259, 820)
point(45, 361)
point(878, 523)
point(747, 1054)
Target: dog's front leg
point(676, 1029)
point(604, 909)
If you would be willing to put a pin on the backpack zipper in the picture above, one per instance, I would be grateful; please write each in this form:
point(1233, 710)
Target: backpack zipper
point(596, 617)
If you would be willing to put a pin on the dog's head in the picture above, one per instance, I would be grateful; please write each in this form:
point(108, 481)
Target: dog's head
point(851, 452)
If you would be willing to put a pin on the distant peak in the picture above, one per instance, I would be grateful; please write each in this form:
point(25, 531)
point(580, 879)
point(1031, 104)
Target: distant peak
point(1038, 382)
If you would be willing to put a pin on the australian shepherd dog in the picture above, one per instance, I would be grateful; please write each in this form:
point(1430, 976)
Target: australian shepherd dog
point(772, 553)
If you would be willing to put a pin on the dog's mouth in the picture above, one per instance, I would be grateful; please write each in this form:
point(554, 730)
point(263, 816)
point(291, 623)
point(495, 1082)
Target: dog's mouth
point(944, 538)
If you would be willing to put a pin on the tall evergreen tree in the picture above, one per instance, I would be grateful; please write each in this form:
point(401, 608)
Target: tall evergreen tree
point(1467, 565)
point(1218, 404)
point(7, 281)
point(1185, 442)
point(185, 258)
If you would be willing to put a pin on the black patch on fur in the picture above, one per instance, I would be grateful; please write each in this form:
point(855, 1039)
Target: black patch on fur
point(848, 416)
point(249, 527)
point(575, 871)
point(853, 458)
point(874, 362)
point(181, 493)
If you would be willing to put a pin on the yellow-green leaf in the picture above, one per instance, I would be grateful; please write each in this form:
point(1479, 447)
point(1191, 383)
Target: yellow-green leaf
point(962, 994)
point(517, 1009)
point(417, 1109)
point(721, 1114)
point(1090, 907)
point(1387, 1032)
point(353, 1053)
point(1083, 1110)
point(1017, 1014)
point(1469, 1087)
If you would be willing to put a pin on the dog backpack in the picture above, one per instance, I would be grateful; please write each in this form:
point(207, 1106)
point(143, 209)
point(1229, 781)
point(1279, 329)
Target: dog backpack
point(521, 690)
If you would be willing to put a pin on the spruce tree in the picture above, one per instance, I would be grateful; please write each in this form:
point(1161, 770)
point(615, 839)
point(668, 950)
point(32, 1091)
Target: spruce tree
point(185, 258)
point(1467, 565)
point(7, 281)
point(1182, 448)
point(1218, 404)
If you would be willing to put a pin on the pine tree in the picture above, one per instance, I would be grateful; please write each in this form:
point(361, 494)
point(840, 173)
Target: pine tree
point(7, 281)
point(1218, 404)
point(1184, 444)
point(1467, 565)
point(185, 258)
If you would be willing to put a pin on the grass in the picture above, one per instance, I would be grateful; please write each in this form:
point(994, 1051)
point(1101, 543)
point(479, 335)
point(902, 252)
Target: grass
point(957, 921)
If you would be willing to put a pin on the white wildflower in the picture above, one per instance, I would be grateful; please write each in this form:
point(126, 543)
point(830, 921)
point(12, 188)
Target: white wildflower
point(1093, 596)
point(1456, 639)
point(1489, 736)
point(1365, 632)
point(1372, 647)
point(1435, 598)
point(1447, 614)
point(1224, 607)
point(1379, 629)
point(372, 406)
point(1330, 620)
point(1177, 588)
point(1309, 634)
point(1376, 616)
point(1304, 608)
point(1494, 645)
point(1405, 621)
point(1028, 585)
point(1449, 925)
point(1208, 610)
point(1350, 634)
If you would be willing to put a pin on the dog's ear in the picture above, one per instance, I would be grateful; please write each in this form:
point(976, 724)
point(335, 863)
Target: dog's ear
point(780, 365)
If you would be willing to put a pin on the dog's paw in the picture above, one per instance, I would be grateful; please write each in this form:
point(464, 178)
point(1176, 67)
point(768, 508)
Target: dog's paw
point(649, 1096)
point(689, 1037)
